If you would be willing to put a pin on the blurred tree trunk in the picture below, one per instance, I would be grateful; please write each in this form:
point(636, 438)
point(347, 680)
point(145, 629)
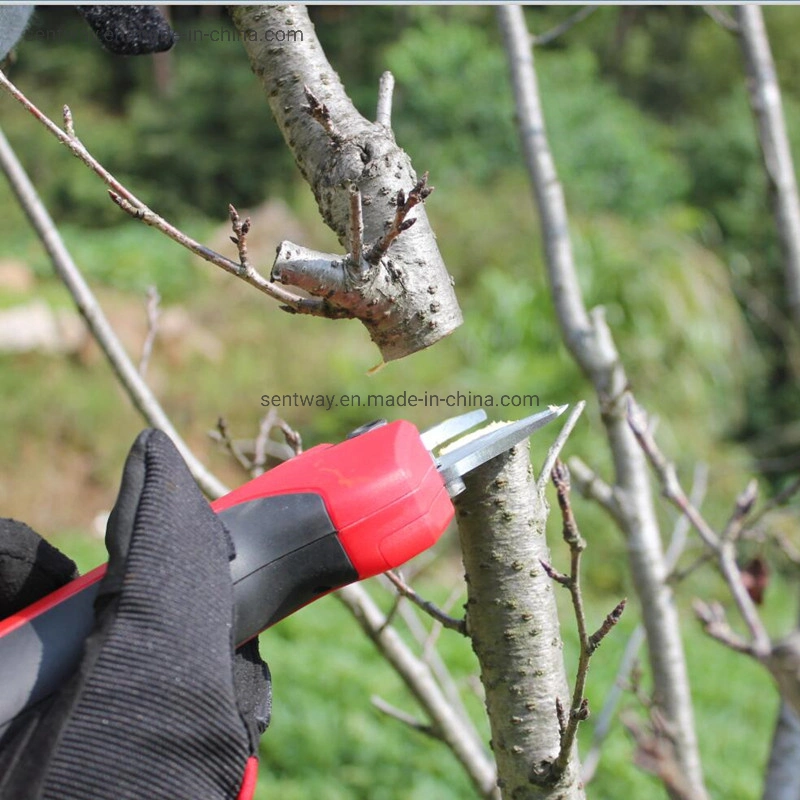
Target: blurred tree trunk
point(590, 342)
point(765, 101)
point(782, 778)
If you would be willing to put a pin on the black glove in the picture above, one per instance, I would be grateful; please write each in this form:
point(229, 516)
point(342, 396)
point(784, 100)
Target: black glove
point(129, 30)
point(161, 706)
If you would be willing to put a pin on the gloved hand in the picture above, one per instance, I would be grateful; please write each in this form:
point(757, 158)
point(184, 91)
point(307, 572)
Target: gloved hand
point(161, 706)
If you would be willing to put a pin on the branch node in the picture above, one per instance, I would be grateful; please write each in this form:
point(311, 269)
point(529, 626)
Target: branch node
point(69, 125)
point(554, 574)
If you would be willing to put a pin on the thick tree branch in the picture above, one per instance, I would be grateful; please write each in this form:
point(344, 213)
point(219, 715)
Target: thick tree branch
point(513, 623)
point(765, 101)
point(405, 298)
point(589, 340)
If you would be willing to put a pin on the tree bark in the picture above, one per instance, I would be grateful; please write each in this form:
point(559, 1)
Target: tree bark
point(513, 624)
point(589, 340)
point(765, 101)
point(406, 299)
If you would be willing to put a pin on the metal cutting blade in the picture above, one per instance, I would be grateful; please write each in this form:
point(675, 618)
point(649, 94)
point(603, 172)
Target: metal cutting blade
point(475, 449)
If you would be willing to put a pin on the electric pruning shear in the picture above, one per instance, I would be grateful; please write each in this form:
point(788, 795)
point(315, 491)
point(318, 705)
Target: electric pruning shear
point(331, 516)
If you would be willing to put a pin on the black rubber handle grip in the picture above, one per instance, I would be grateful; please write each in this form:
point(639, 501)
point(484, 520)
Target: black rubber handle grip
point(287, 554)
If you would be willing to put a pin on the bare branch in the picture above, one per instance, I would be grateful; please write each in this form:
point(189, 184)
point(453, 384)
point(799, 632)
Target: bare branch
point(593, 487)
point(780, 499)
point(460, 737)
point(558, 445)
point(406, 719)
point(715, 624)
point(742, 508)
point(722, 18)
point(723, 548)
point(383, 115)
point(66, 269)
point(451, 623)
point(153, 299)
point(129, 203)
point(559, 30)
point(222, 435)
point(513, 623)
point(579, 709)
point(591, 344)
point(765, 102)
point(630, 655)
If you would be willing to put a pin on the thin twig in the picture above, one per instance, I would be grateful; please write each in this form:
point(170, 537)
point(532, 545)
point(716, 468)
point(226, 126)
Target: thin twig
point(429, 645)
point(579, 709)
point(460, 736)
point(270, 421)
point(407, 719)
point(129, 203)
point(780, 499)
point(723, 548)
point(558, 445)
point(715, 624)
point(630, 655)
point(319, 112)
point(224, 437)
point(741, 510)
point(451, 623)
point(66, 269)
point(383, 114)
point(549, 36)
point(153, 299)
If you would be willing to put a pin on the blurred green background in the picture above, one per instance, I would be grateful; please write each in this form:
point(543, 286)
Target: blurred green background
point(655, 145)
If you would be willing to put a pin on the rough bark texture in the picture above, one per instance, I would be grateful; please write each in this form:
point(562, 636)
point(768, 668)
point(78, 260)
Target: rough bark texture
point(513, 623)
point(406, 300)
point(590, 342)
point(765, 101)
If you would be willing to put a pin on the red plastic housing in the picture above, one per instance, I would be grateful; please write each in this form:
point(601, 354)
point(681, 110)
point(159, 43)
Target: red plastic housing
point(382, 491)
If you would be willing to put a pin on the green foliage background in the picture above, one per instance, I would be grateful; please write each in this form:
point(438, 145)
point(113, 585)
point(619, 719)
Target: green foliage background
point(656, 148)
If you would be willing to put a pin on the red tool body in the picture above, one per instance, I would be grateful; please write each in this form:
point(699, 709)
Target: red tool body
point(334, 515)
